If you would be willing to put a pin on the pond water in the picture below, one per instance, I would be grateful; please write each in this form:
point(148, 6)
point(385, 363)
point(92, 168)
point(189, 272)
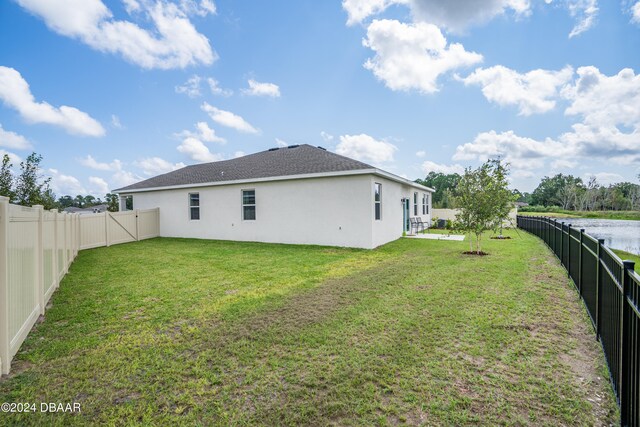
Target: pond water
point(617, 234)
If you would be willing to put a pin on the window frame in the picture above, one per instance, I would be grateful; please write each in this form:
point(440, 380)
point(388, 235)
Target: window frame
point(377, 204)
point(415, 203)
point(243, 204)
point(192, 206)
point(424, 203)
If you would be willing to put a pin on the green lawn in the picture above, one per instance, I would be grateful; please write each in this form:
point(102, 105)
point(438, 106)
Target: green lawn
point(184, 332)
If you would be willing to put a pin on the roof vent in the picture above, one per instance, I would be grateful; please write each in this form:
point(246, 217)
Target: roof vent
point(322, 148)
point(274, 149)
point(293, 146)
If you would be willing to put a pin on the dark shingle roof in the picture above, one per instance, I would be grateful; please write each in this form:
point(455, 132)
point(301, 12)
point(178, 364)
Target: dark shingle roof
point(292, 160)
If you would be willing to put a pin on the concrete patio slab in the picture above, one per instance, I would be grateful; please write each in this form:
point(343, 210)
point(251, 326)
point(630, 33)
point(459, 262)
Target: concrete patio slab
point(456, 237)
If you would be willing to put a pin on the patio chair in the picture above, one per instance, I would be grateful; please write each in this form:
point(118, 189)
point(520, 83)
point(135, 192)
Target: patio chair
point(413, 222)
point(424, 225)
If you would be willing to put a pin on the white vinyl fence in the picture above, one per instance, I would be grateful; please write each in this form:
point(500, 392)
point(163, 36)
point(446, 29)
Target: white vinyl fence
point(36, 249)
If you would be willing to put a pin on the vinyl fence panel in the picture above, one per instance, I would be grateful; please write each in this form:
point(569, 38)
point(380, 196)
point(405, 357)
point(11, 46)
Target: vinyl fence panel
point(36, 249)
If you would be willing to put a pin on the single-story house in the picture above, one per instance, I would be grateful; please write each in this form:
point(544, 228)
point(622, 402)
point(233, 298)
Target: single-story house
point(298, 194)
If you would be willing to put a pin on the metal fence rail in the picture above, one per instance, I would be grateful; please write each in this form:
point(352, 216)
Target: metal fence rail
point(610, 289)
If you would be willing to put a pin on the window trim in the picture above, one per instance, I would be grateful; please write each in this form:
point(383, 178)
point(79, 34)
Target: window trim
point(377, 202)
point(415, 203)
point(191, 207)
point(424, 203)
point(243, 204)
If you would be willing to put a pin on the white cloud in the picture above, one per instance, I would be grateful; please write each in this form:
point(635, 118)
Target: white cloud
point(239, 154)
point(562, 164)
point(533, 92)
point(15, 93)
point(228, 119)
point(13, 140)
point(123, 178)
point(413, 56)
point(421, 153)
point(191, 87)
point(262, 89)
point(605, 101)
point(62, 184)
point(92, 163)
point(98, 186)
point(196, 150)
point(115, 122)
point(215, 88)
point(152, 166)
point(280, 143)
point(326, 137)
point(365, 148)
point(452, 15)
point(203, 133)
point(635, 13)
point(174, 42)
point(429, 166)
point(585, 11)
point(604, 178)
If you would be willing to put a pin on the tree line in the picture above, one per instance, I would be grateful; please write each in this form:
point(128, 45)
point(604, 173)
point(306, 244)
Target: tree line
point(29, 187)
point(559, 191)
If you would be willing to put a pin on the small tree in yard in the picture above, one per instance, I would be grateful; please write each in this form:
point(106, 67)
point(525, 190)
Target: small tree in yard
point(6, 178)
point(484, 199)
point(31, 189)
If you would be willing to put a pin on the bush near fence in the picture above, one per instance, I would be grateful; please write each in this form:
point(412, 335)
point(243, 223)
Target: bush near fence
point(36, 249)
point(610, 289)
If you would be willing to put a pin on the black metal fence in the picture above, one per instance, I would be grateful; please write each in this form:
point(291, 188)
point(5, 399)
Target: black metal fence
point(610, 289)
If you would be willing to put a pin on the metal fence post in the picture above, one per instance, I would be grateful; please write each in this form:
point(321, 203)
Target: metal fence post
point(625, 338)
point(568, 266)
point(5, 351)
point(599, 288)
point(562, 244)
point(580, 262)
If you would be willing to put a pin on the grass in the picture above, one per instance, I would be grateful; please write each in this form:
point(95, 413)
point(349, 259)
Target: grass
point(184, 332)
point(623, 255)
point(559, 213)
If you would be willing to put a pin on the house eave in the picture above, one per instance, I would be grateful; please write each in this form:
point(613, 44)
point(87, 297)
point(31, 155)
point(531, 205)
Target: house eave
point(372, 171)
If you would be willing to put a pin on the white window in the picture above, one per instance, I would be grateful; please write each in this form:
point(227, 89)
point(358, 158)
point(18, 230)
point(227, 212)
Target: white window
point(248, 205)
point(194, 206)
point(415, 204)
point(424, 204)
point(377, 200)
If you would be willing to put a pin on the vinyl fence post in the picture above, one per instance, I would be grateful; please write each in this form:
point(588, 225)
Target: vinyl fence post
point(39, 267)
point(625, 339)
point(137, 212)
point(55, 268)
point(5, 356)
point(106, 228)
point(580, 262)
point(599, 288)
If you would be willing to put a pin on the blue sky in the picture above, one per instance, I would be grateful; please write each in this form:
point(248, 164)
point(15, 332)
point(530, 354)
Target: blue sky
point(111, 92)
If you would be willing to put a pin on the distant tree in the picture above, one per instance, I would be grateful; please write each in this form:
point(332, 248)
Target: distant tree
point(113, 202)
point(31, 187)
point(485, 200)
point(6, 178)
point(555, 191)
point(65, 202)
point(89, 201)
point(48, 200)
point(441, 183)
point(78, 201)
